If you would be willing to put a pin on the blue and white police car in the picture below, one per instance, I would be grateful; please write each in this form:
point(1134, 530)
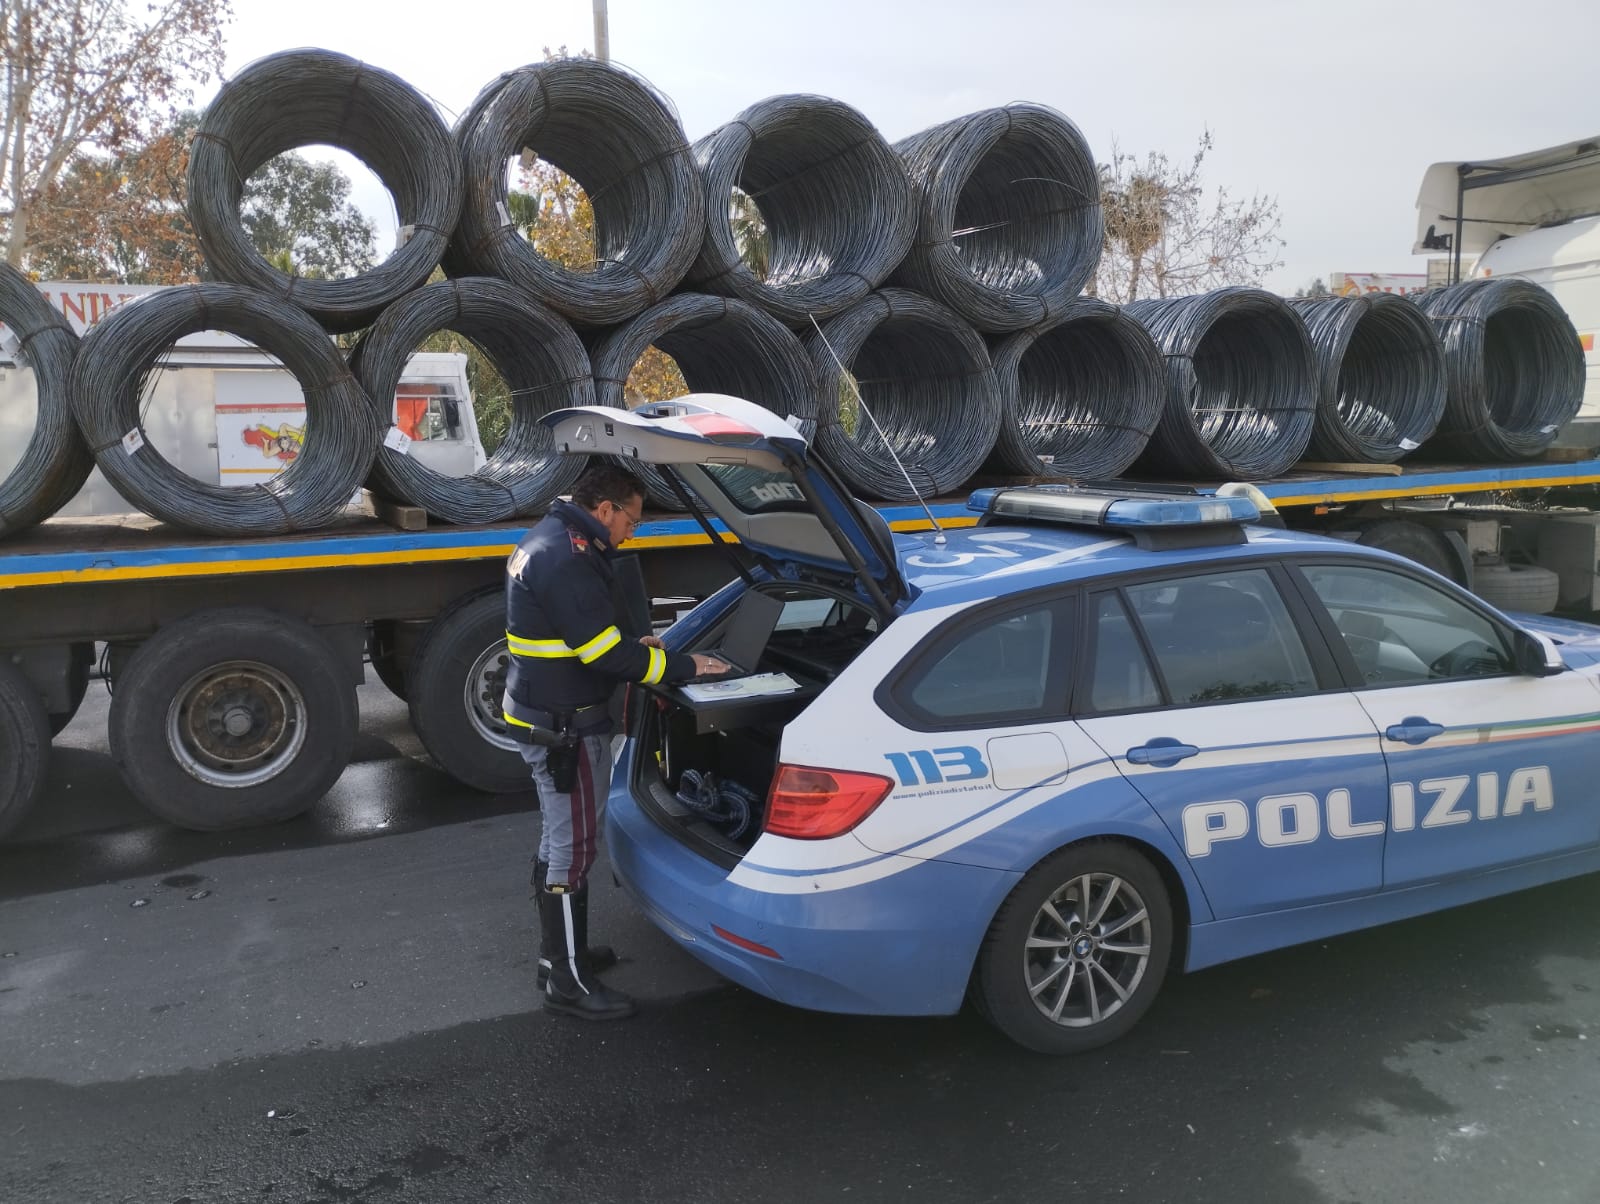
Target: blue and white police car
point(1040, 761)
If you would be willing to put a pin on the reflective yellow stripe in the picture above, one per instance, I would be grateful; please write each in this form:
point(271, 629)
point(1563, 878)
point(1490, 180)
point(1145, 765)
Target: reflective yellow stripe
point(539, 648)
point(510, 718)
point(658, 667)
point(599, 646)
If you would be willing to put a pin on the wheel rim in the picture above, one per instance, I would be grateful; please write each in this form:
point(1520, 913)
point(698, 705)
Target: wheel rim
point(1087, 950)
point(484, 695)
point(236, 724)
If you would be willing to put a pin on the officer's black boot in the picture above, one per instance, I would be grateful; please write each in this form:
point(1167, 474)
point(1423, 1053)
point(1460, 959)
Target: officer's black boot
point(592, 958)
point(571, 989)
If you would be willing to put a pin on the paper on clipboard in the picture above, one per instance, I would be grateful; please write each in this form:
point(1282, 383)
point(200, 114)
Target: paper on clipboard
point(756, 685)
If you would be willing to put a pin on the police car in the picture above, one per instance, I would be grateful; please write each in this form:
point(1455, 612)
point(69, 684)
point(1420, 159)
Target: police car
point(1040, 761)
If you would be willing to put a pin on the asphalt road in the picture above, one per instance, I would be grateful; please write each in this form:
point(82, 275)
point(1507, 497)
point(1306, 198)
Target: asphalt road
point(342, 1008)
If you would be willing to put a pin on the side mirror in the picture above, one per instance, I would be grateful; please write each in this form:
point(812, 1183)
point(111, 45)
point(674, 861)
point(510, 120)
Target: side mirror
point(1537, 655)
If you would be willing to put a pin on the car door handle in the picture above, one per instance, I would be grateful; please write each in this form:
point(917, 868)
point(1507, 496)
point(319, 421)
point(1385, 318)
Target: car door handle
point(1413, 729)
point(1163, 751)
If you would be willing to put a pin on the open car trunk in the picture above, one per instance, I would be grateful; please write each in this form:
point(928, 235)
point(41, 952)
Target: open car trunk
point(703, 772)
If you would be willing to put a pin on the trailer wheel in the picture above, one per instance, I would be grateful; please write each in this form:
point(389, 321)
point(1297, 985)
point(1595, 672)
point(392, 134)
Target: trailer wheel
point(384, 657)
point(24, 747)
point(1518, 587)
point(77, 686)
point(232, 718)
point(456, 680)
point(1415, 542)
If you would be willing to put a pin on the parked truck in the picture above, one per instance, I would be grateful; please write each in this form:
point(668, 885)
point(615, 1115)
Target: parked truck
point(233, 663)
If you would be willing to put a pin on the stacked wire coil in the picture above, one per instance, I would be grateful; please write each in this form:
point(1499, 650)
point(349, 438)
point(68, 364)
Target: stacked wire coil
point(623, 145)
point(1514, 368)
point(1009, 220)
point(541, 361)
point(836, 212)
point(721, 345)
point(55, 461)
point(108, 387)
point(1380, 377)
point(932, 403)
point(306, 97)
point(1241, 393)
point(1081, 394)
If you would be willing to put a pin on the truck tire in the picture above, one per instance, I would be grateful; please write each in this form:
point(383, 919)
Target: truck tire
point(384, 658)
point(24, 747)
point(77, 686)
point(456, 680)
point(1521, 587)
point(231, 719)
point(1415, 542)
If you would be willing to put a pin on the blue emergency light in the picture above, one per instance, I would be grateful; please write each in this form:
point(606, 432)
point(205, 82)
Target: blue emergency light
point(1128, 509)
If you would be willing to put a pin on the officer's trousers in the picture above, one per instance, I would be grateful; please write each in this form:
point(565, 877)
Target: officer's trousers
point(571, 829)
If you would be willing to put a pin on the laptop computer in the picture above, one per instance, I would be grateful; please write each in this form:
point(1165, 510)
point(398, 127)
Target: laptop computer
point(745, 638)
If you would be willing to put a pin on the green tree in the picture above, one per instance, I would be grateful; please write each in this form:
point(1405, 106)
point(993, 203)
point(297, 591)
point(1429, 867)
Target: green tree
point(295, 205)
point(1317, 288)
point(100, 75)
point(1165, 236)
point(121, 217)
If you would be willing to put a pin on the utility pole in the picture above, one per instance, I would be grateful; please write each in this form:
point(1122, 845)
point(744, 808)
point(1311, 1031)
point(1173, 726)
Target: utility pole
point(602, 33)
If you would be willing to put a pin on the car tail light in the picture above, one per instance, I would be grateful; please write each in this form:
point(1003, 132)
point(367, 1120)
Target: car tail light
point(814, 804)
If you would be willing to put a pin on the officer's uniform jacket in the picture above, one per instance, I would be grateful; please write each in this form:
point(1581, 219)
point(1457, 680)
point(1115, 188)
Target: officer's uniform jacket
point(561, 627)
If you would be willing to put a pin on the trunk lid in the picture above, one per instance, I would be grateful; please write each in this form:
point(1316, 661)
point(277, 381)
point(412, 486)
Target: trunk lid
point(756, 473)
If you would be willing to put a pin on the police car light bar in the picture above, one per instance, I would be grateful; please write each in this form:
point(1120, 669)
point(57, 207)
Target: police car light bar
point(1133, 509)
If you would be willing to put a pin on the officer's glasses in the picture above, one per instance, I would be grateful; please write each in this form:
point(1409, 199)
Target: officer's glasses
point(633, 523)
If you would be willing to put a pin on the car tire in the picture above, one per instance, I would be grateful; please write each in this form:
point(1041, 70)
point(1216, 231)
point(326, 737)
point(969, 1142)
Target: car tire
point(1105, 984)
point(1415, 542)
point(1518, 587)
point(232, 719)
point(455, 682)
point(24, 747)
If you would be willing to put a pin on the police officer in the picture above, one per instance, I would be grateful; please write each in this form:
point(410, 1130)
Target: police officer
point(568, 654)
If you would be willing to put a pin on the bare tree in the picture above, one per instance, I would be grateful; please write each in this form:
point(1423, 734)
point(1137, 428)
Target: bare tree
point(102, 74)
point(1165, 237)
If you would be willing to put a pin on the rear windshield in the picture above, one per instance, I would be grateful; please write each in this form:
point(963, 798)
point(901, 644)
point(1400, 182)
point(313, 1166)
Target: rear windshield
point(757, 491)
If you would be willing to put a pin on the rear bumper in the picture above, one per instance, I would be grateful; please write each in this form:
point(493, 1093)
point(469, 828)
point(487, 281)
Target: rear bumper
point(901, 945)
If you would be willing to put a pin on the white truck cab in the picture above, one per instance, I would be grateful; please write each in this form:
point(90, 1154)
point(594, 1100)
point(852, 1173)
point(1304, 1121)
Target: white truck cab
point(1534, 215)
point(226, 412)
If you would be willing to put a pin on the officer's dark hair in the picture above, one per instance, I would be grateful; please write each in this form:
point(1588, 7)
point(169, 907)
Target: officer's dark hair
point(604, 481)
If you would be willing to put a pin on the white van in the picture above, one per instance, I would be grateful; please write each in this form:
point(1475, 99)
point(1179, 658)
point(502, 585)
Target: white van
point(225, 412)
point(1534, 215)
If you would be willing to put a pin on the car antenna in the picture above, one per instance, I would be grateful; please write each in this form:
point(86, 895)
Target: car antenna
point(849, 379)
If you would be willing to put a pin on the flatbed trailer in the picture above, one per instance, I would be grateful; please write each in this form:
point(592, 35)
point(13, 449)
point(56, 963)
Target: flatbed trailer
point(233, 662)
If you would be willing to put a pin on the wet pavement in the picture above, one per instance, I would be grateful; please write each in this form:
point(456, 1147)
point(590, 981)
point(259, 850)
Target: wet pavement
point(342, 1008)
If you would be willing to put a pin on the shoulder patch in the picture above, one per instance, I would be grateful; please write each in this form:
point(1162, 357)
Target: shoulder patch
point(518, 562)
point(578, 542)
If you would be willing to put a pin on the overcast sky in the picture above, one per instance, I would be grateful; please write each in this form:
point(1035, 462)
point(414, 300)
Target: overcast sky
point(1333, 107)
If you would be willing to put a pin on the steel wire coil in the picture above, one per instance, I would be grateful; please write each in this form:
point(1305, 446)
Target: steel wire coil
point(721, 345)
point(117, 359)
point(307, 97)
point(930, 393)
point(55, 461)
point(541, 361)
point(623, 145)
point(835, 200)
point(1380, 376)
point(1514, 368)
point(1009, 220)
point(1241, 391)
point(1080, 394)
